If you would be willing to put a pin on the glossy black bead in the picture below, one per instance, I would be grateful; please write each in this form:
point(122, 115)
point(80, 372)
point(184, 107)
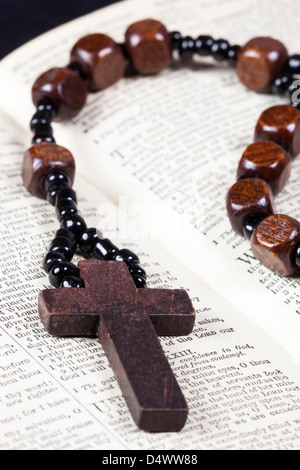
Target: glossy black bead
point(43, 132)
point(105, 249)
point(71, 282)
point(64, 208)
point(74, 223)
point(293, 63)
point(127, 256)
point(187, 48)
point(40, 118)
point(219, 49)
point(62, 232)
point(37, 139)
point(137, 270)
point(232, 54)
point(203, 45)
point(297, 256)
point(250, 224)
point(88, 240)
point(62, 270)
point(66, 193)
point(140, 282)
point(175, 37)
point(43, 128)
point(282, 84)
point(46, 105)
point(54, 190)
point(51, 259)
point(56, 177)
point(64, 246)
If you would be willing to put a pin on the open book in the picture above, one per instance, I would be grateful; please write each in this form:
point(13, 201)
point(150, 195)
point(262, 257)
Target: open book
point(155, 157)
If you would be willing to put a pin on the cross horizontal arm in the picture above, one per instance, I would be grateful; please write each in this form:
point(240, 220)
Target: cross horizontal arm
point(76, 312)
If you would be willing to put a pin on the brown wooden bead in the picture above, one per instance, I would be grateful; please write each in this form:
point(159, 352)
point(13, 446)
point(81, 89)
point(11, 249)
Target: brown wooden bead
point(148, 45)
point(101, 59)
point(280, 124)
point(65, 88)
point(39, 160)
point(250, 196)
point(268, 161)
point(274, 243)
point(260, 61)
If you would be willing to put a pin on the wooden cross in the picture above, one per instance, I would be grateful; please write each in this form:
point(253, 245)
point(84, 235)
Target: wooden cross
point(127, 321)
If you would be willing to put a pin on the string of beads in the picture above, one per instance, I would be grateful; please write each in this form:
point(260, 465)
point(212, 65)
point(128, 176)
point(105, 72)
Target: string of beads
point(97, 62)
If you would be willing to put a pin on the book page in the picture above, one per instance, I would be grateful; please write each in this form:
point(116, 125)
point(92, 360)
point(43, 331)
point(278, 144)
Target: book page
point(60, 393)
point(170, 143)
point(164, 154)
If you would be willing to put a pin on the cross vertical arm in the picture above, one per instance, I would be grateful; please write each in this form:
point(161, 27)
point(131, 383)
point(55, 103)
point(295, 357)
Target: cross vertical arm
point(144, 375)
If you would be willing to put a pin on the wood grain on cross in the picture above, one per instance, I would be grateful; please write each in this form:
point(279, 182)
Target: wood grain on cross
point(127, 321)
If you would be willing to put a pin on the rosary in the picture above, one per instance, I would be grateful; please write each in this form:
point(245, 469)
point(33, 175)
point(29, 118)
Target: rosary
point(108, 299)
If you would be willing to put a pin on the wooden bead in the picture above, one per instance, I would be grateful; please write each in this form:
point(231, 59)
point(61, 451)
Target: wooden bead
point(101, 59)
point(260, 61)
point(251, 196)
point(65, 88)
point(148, 45)
point(274, 243)
point(39, 160)
point(281, 124)
point(268, 161)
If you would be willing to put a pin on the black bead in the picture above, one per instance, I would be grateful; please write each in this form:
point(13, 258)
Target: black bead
point(66, 193)
point(37, 139)
point(137, 270)
point(62, 232)
point(250, 224)
point(53, 191)
point(293, 63)
point(40, 118)
point(175, 37)
point(105, 249)
point(56, 177)
point(219, 49)
point(203, 45)
point(127, 256)
point(46, 105)
point(74, 223)
point(232, 54)
point(43, 128)
point(71, 282)
point(282, 84)
point(51, 259)
point(43, 132)
point(187, 48)
point(88, 240)
point(65, 208)
point(64, 246)
point(62, 270)
point(297, 256)
point(140, 282)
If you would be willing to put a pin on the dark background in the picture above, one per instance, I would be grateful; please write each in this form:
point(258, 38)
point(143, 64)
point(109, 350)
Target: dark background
point(22, 20)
